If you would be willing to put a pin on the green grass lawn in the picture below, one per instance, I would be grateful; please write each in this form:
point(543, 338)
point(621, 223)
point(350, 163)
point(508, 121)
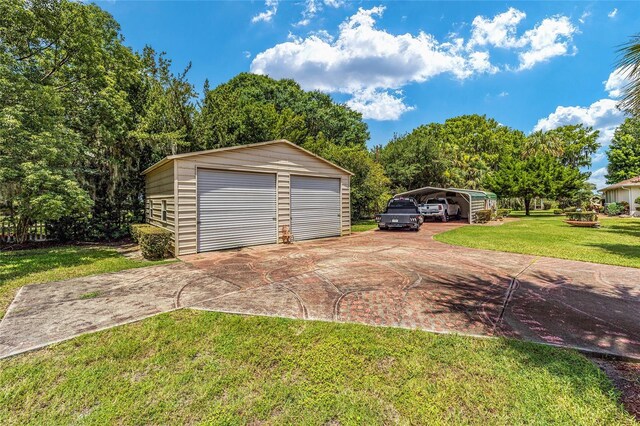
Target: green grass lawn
point(617, 242)
point(189, 367)
point(363, 225)
point(21, 267)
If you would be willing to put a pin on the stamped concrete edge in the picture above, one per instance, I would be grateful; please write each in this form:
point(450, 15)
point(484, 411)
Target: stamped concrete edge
point(587, 352)
point(10, 308)
point(44, 345)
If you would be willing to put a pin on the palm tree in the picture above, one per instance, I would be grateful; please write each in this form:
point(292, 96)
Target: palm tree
point(540, 142)
point(629, 65)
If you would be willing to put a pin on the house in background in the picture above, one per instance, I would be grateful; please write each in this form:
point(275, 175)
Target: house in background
point(627, 190)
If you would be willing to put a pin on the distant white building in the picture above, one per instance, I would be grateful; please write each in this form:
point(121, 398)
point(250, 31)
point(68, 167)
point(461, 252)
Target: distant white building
point(628, 190)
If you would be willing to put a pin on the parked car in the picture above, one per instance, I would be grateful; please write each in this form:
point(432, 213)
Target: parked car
point(400, 213)
point(440, 208)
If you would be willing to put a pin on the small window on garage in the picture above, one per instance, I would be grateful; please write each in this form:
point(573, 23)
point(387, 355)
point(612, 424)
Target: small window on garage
point(164, 210)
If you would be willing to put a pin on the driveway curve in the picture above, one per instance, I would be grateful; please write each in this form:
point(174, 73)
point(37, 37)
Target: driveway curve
point(401, 279)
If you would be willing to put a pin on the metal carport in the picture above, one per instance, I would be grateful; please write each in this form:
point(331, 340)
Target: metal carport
point(472, 199)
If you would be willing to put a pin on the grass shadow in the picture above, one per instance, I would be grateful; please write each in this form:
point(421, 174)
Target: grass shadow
point(18, 264)
point(631, 227)
point(628, 251)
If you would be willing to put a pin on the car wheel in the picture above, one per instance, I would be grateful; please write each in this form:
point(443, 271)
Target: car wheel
point(445, 218)
point(458, 217)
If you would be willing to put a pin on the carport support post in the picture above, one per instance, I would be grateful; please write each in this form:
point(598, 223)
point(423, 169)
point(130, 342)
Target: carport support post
point(464, 196)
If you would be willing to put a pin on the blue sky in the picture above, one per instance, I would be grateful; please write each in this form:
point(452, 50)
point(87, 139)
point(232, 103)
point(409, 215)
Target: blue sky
point(529, 65)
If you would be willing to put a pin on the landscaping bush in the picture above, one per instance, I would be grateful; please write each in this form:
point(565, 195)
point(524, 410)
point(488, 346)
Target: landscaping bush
point(625, 207)
point(154, 242)
point(570, 209)
point(503, 213)
point(558, 211)
point(135, 230)
point(614, 209)
point(583, 216)
point(483, 216)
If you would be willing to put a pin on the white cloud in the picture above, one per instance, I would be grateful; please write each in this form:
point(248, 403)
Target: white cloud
point(501, 31)
point(479, 62)
point(616, 83)
point(552, 37)
point(379, 104)
point(503, 94)
point(310, 9)
point(584, 16)
point(267, 15)
point(602, 115)
point(364, 59)
point(598, 178)
point(334, 3)
point(613, 13)
point(246, 54)
point(313, 7)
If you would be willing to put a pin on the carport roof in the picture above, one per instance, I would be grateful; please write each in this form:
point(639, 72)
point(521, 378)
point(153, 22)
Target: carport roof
point(473, 193)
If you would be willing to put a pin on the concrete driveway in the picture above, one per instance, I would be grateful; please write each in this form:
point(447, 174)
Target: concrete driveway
point(401, 279)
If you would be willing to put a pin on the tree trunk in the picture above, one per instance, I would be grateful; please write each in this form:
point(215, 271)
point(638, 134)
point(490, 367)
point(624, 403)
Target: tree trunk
point(527, 202)
point(22, 230)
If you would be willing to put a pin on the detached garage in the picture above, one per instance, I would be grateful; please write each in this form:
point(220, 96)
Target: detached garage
point(247, 195)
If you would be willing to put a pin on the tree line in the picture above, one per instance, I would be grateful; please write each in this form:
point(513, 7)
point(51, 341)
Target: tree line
point(82, 115)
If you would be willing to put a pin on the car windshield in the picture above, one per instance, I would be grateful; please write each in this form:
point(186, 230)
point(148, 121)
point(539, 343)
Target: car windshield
point(401, 206)
point(434, 201)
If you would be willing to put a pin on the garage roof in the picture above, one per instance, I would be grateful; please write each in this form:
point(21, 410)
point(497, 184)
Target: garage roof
point(474, 194)
point(213, 151)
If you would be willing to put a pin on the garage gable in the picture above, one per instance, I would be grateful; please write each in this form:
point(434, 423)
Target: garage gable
point(276, 154)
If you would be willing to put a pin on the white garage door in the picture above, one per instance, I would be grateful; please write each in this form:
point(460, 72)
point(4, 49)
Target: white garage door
point(236, 209)
point(315, 207)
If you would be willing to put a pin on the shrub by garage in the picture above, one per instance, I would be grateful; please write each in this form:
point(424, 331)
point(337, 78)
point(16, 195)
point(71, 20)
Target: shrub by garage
point(484, 216)
point(502, 213)
point(154, 242)
point(134, 230)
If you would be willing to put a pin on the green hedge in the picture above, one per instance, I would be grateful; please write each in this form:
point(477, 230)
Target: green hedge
point(503, 213)
point(135, 228)
point(558, 211)
point(154, 242)
point(583, 216)
point(483, 216)
point(570, 209)
point(614, 209)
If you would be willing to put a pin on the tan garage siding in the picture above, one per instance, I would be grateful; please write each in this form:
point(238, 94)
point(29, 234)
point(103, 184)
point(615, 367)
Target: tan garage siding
point(159, 188)
point(284, 202)
point(279, 157)
point(345, 186)
point(187, 206)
